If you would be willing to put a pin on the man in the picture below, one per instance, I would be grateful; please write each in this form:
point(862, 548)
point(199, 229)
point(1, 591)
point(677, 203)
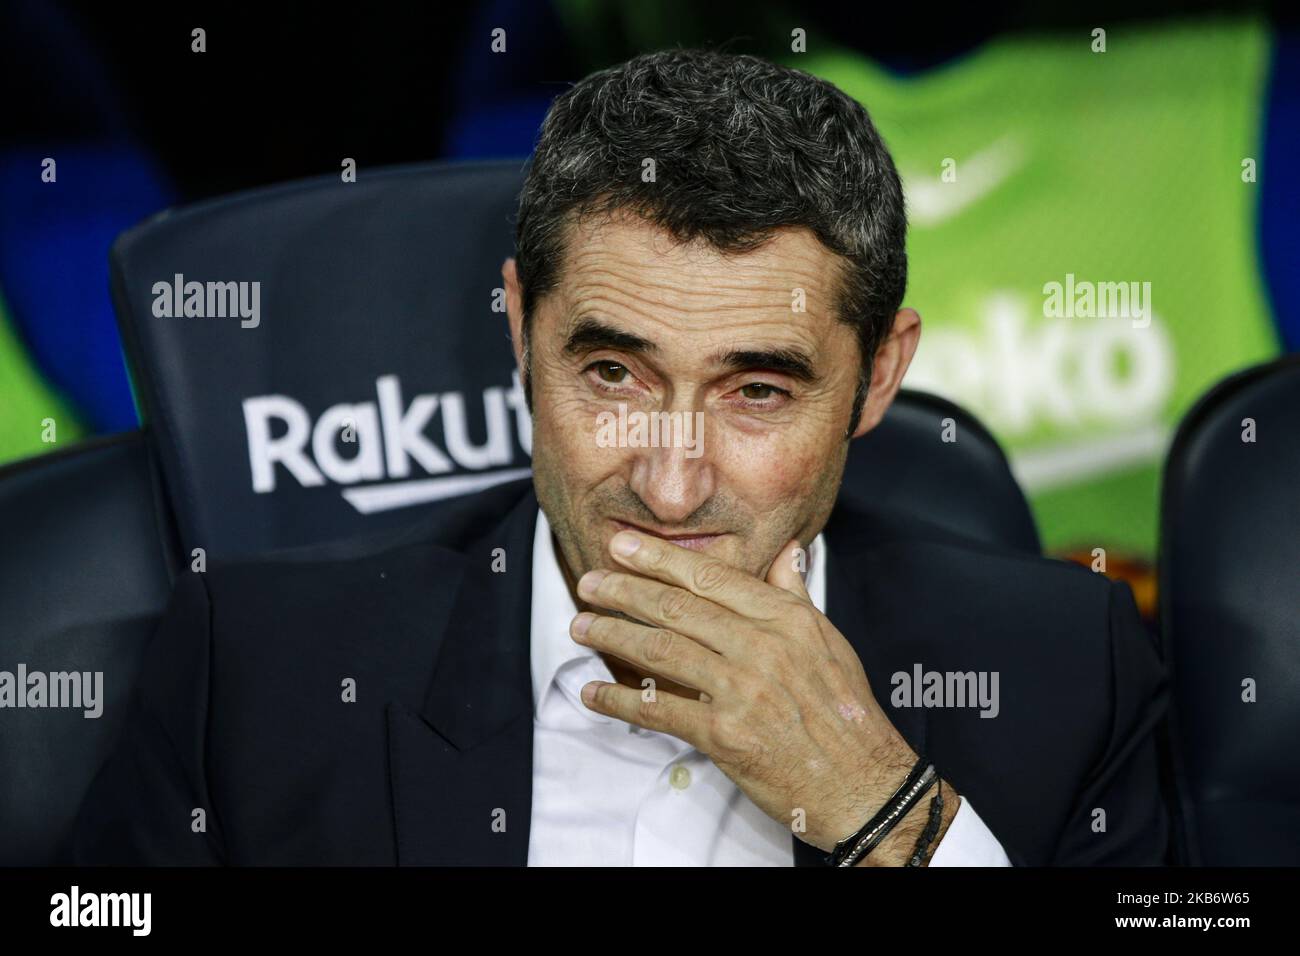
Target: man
point(670, 645)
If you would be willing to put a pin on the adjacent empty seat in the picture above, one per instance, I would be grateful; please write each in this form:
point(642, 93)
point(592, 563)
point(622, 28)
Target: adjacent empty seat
point(1230, 617)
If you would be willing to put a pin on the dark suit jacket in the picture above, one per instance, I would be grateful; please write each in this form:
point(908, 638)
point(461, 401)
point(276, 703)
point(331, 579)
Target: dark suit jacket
point(240, 711)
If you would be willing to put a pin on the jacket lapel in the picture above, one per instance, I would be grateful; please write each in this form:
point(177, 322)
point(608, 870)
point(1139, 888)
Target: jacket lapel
point(461, 767)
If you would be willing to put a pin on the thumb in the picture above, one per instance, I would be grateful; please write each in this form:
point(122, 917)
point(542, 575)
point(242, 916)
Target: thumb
point(786, 568)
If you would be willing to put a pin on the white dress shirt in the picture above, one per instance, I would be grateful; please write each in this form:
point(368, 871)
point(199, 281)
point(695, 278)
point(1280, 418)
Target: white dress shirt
point(610, 793)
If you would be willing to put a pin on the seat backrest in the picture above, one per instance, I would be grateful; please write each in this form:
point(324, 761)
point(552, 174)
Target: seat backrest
point(84, 576)
point(375, 305)
point(367, 314)
point(1229, 603)
point(931, 459)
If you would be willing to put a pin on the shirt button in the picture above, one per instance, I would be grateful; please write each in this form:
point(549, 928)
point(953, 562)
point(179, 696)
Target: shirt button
point(680, 777)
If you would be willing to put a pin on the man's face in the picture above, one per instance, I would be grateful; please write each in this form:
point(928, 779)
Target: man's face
point(654, 326)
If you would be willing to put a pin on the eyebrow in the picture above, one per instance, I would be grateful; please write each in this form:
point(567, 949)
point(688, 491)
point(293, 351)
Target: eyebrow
point(791, 362)
point(589, 334)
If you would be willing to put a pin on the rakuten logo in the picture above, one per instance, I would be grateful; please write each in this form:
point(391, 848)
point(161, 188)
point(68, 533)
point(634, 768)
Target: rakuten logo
point(384, 437)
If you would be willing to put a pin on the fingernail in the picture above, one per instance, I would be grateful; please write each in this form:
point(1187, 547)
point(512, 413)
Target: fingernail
point(588, 693)
point(625, 543)
point(582, 622)
point(590, 581)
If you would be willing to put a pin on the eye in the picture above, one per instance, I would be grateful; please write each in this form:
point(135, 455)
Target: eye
point(761, 393)
point(770, 390)
point(610, 373)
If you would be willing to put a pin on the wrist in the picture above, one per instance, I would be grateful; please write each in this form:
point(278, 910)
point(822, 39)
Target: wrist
point(887, 767)
point(897, 848)
point(868, 836)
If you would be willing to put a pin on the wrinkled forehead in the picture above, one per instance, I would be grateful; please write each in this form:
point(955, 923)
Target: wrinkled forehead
point(623, 271)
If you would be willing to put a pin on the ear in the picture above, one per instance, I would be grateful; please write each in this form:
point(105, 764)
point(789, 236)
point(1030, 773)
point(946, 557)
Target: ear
point(514, 310)
point(890, 365)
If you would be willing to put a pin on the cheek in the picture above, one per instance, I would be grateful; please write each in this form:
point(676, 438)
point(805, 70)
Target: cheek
point(773, 467)
point(565, 405)
point(565, 432)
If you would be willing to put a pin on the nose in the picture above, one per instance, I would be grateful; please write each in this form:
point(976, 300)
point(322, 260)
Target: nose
point(677, 477)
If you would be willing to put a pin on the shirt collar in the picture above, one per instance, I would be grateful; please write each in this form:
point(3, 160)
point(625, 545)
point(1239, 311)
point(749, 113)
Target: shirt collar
point(551, 647)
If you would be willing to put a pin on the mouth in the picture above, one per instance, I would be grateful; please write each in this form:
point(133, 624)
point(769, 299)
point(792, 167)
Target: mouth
point(696, 542)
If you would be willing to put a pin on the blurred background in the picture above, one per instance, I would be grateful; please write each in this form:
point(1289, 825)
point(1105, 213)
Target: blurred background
point(1158, 151)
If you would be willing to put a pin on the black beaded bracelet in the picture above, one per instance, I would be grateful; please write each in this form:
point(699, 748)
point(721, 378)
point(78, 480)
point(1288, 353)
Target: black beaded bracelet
point(931, 828)
point(853, 848)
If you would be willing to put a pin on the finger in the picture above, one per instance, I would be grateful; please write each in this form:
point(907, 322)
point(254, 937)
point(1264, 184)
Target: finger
point(657, 650)
point(667, 713)
point(786, 573)
point(705, 576)
point(786, 570)
point(662, 605)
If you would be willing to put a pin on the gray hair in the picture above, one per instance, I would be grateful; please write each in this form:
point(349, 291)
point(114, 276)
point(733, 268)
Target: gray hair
point(742, 146)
